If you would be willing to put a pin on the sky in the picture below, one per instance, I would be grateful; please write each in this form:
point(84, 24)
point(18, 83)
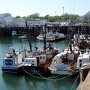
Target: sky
point(44, 7)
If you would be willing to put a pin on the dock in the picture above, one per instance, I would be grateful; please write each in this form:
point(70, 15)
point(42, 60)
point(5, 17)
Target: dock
point(35, 30)
point(84, 78)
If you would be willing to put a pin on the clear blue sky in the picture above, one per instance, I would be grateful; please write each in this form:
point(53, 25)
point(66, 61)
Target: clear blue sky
point(44, 7)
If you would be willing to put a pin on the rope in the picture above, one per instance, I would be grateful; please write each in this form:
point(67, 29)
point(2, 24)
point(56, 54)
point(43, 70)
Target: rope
point(31, 74)
point(39, 74)
point(53, 77)
point(50, 78)
point(74, 83)
point(45, 77)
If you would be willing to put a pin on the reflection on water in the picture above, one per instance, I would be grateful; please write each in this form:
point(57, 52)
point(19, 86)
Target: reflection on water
point(13, 82)
point(26, 82)
point(42, 84)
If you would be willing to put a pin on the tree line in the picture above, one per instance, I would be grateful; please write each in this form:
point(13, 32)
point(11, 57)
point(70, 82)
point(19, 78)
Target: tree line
point(56, 18)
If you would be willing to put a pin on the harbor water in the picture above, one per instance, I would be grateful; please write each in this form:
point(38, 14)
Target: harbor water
point(27, 82)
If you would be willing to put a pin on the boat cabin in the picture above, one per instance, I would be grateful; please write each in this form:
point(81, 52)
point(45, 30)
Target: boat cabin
point(65, 57)
point(8, 61)
point(35, 61)
point(82, 60)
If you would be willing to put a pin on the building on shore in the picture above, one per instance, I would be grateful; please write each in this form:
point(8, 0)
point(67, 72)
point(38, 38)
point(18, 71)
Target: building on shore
point(6, 20)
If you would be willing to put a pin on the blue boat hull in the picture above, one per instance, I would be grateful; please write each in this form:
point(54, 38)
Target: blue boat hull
point(12, 70)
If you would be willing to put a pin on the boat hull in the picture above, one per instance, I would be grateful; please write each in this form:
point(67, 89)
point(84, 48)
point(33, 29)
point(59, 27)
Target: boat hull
point(38, 70)
point(11, 69)
point(62, 72)
point(33, 69)
point(52, 40)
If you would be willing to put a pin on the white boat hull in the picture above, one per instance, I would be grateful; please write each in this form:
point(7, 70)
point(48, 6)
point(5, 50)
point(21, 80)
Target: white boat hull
point(60, 71)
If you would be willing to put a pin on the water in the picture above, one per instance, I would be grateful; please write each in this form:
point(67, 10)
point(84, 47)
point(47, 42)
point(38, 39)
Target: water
point(26, 82)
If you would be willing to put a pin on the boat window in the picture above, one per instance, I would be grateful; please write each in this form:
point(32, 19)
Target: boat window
point(41, 57)
point(32, 61)
point(54, 60)
point(26, 60)
point(8, 62)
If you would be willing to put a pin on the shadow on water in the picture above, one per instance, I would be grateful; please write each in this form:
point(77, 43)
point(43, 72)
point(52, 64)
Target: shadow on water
point(27, 82)
point(44, 84)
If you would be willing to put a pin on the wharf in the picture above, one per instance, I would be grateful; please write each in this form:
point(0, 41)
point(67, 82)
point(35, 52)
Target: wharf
point(85, 85)
point(35, 30)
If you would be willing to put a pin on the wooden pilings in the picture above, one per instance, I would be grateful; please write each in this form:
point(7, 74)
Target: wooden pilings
point(35, 30)
point(83, 74)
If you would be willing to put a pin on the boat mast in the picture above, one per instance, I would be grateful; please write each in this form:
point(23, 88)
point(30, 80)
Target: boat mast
point(29, 37)
point(45, 37)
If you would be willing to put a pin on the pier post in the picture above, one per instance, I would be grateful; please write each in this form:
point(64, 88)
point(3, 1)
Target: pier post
point(83, 74)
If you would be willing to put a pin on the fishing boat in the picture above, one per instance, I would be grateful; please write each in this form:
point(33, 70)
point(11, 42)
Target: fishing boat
point(37, 62)
point(83, 60)
point(65, 63)
point(51, 36)
point(83, 41)
point(59, 36)
point(35, 65)
point(12, 62)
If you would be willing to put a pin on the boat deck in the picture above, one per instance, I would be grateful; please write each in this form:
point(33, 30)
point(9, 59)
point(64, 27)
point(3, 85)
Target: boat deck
point(46, 70)
point(47, 65)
